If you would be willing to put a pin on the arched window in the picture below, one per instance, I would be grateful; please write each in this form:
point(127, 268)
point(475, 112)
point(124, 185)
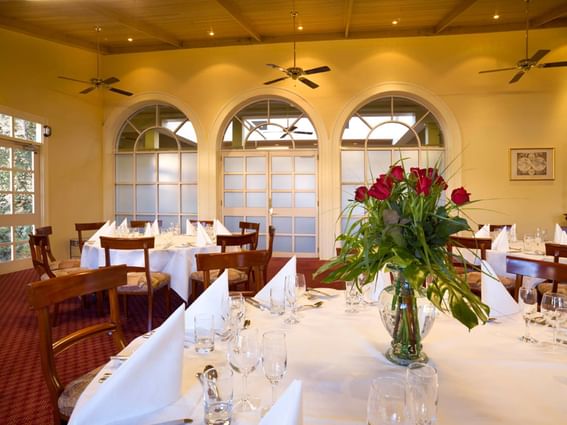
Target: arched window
point(156, 166)
point(382, 132)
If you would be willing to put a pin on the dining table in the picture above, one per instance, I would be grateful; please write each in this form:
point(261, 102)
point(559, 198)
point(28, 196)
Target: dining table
point(486, 375)
point(173, 254)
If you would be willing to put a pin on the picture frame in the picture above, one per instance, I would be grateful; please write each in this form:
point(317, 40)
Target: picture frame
point(532, 164)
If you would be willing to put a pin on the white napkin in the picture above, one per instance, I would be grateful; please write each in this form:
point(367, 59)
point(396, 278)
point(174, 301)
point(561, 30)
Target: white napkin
point(557, 234)
point(202, 236)
point(495, 295)
point(189, 228)
point(563, 238)
point(513, 235)
point(500, 242)
point(210, 301)
point(155, 228)
point(123, 226)
point(483, 232)
point(278, 281)
point(288, 409)
point(148, 230)
point(149, 380)
point(382, 280)
point(220, 229)
point(100, 232)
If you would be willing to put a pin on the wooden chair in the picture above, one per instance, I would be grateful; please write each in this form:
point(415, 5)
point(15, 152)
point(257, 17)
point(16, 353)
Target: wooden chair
point(140, 224)
point(54, 264)
point(138, 276)
point(246, 226)
point(43, 294)
point(556, 251)
point(86, 227)
point(46, 269)
point(520, 266)
point(494, 227)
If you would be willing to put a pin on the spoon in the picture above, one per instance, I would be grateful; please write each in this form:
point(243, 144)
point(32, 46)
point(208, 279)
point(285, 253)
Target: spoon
point(315, 305)
point(246, 324)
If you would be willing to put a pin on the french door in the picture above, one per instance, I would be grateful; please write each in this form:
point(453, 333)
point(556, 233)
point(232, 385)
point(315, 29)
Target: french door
point(276, 188)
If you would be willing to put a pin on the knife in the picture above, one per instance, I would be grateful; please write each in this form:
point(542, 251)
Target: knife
point(255, 303)
point(318, 291)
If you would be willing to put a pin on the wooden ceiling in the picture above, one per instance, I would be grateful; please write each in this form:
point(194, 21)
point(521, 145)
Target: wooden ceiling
point(180, 24)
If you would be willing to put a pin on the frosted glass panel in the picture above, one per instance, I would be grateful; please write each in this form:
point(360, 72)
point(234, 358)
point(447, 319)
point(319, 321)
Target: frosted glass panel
point(305, 225)
point(256, 200)
point(146, 168)
point(305, 200)
point(189, 167)
point(347, 194)
point(231, 223)
point(432, 159)
point(124, 169)
point(282, 243)
point(305, 244)
point(146, 199)
point(352, 166)
point(281, 200)
point(305, 164)
point(168, 199)
point(378, 163)
point(256, 164)
point(169, 167)
point(124, 199)
point(233, 181)
point(189, 199)
point(261, 220)
point(233, 199)
point(411, 158)
point(281, 182)
point(282, 164)
point(256, 182)
point(282, 224)
point(234, 164)
point(304, 182)
point(168, 222)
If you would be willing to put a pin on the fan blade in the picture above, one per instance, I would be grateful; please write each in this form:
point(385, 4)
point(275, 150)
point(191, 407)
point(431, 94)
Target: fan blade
point(552, 64)
point(276, 80)
point(303, 132)
point(317, 70)
point(517, 77)
point(498, 70)
point(280, 68)
point(119, 91)
point(87, 90)
point(110, 80)
point(74, 79)
point(308, 82)
point(537, 56)
point(291, 129)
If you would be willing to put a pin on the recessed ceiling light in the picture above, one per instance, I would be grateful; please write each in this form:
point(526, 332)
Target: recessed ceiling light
point(211, 32)
point(300, 27)
point(395, 22)
point(496, 16)
point(130, 39)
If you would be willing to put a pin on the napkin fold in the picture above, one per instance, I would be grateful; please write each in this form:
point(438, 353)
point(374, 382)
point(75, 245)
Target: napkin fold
point(202, 236)
point(148, 230)
point(513, 235)
point(288, 409)
point(483, 232)
point(382, 280)
point(102, 231)
point(500, 242)
point(278, 281)
point(155, 228)
point(495, 295)
point(220, 229)
point(150, 379)
point(557, 234)
point(563, 238)
point(189, 228)
point(210, 301)
point(123, 227)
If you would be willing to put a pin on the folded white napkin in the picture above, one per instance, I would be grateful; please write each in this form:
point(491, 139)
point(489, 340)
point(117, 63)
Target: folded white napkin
point(148, 230)
point(220, 229)
point(278, 281)
point(149, 380)
point(382, 280)
point(100, 232)
point(210, 301)
point(288, 409)
point(495, 295)
point(202, 236)
point(483, 232)
point(123, 227)
point(189, 228)
point(500, 242)
point(563, 238)
point(557, 234)
point(513, 235)
point(155, 228)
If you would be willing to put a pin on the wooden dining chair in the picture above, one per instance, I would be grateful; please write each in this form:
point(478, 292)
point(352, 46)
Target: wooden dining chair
point(44, 294)
point(494, 227)
point(554, 272)
point(41, 261)
point(203, 222)
point(249, 226)
point(556, 251)
point(138, 276)
point(47, 231)
point(86, 227)
point(140, 224)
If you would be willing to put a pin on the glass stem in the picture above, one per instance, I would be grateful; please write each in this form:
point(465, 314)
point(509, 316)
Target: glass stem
point(273, 394)
point(527, 320)
point(245, 386)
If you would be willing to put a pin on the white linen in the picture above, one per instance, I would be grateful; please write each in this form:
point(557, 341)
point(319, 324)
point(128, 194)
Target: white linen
point(513, 235)
point(500, 242)
point(210, 301)
point(202, 236)
point(557, 234)
point(483, 232)
point(155, 228)
point(123, 227)
point(288, 410)
point(102, 231)
point(495, 295)
point(373, 290)
point(189, 228)
point(220, 229)
point(278, 281)
point(149, 380)
point(148, 230)
point(563, 238)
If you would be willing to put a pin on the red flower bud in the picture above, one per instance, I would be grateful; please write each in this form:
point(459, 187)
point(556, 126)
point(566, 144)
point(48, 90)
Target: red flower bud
point(460, 196)
point(397, 173)
point(423, 185)
point(382, 188)
point(361, 194)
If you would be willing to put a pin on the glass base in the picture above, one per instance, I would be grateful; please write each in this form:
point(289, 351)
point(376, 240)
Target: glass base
point(528, 339)
point(402, 361)
point(246, 405)
point(292, 320)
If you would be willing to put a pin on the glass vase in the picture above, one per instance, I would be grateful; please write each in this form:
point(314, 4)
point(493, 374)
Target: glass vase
point(408, 317)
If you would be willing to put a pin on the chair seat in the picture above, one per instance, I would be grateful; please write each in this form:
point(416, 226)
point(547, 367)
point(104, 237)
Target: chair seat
point(71, 263)
point(73, 390)
point(136, 282)
point(234, 276)
point(548, 286)
point(64, 272)
point(474, 280)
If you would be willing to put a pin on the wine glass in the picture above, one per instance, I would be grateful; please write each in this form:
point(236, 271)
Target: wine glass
point(422, 393)
point(527, 298)
point(551, 303)
point(243, 356)
point(274, 358)
point(386, 401)
point(291, 299)
point(232, 313)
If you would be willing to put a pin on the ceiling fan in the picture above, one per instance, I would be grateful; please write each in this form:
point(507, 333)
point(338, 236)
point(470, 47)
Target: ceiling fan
point(294, 72)
point(98, 82)
point(293, 129)
point(527, 63)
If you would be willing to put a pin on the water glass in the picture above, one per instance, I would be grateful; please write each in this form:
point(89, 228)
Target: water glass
point(352, 297)
point(277, 300)
point(204, 333)
point(218, 391)
point(551, 305)
point(527, 298)
point(274, 358)
point(529, 243)
point(422, 393)
point(243, 356)
point(291, 299)
point(387, 401)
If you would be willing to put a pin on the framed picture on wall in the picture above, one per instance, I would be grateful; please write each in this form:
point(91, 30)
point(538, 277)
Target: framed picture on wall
point(532, 164)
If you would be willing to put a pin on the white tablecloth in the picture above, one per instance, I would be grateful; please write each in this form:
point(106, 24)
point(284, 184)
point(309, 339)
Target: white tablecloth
point(487, 376)
point(173, 254)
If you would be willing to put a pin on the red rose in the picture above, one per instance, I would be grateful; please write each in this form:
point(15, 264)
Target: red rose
point(460, 196)
point(382, 188)
point(361, 194)
point(417, 171)
point(397, 173)
point(423, 184)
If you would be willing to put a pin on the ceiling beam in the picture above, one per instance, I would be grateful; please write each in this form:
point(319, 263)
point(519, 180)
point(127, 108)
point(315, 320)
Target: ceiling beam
point(553, 14)
point(348, 16)
point(132, 23)
point(235, 13)
point(453, 14)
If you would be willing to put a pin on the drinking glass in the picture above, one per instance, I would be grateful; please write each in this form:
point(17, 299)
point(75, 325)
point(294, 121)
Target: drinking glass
point(277, 300)
point(232, 312)
point(352, 297)
point(527, 298)
point(386, 401)
point(291, 299)
point(204, 333)
point(274, 358)
point(551, 305)
point(422, 393)
point(528, 243)
point(218, 391)
point(243, 356)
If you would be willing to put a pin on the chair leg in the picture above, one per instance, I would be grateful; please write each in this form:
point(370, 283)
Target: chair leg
point(168, 300)
point(125, 305)
point(100, 303)
point(55, 315)
point(150, 311)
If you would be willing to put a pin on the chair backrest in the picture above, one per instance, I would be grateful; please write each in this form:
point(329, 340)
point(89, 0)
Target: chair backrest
point(86, 227)
point(245, 226)
point(40, 255)
point(43, 294)
point(480, 244)
point(556, 250)
point(140, 224)
point(247, 241)
point(255, 261)
point(520, 266)
point(494, 227)
point(46, 231)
